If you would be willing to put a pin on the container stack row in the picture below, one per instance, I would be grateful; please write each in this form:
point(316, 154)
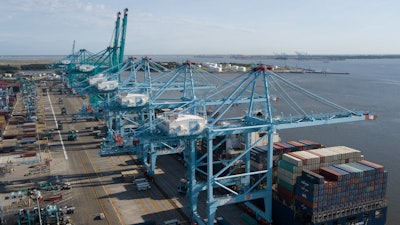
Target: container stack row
point(258, 154)
point(28, 133)
point(19, 119)
point(321, 181)
point(343, 187)
point(3, 123)
point(292, 165)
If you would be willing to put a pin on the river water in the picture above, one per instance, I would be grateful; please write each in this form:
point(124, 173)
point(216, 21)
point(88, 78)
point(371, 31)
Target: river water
point(372, 85)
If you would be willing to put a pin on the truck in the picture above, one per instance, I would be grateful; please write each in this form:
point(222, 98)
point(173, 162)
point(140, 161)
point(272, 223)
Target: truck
point(183, 186)
point(54, 198)
point(49, 134)
point(142, 184)
point(72, 135)
point(66, 185)
point(130, 175)
point(69, 209)
point(59, 125)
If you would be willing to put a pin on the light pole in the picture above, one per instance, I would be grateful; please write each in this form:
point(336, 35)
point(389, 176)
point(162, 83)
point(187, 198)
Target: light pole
point(37, 193)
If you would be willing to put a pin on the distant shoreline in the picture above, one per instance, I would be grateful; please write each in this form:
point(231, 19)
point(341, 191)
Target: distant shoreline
point(19, 62)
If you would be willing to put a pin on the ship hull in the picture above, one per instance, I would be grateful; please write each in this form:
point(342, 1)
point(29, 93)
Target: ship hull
point(284, 215)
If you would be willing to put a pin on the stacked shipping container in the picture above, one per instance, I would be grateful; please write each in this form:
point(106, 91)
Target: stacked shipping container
point(333, 181)
point(292, 165)
point(3, 123)
point(28, 133)
point(258, 154)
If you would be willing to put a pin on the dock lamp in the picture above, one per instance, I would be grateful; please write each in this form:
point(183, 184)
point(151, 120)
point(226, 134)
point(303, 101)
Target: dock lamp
point(37, 193)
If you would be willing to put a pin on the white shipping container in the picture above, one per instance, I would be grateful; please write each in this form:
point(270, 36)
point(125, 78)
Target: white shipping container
point(346, 152)
point(307, 157)
point(312, 166)
point(329, 156)
point(289, 180)
point(292, 160)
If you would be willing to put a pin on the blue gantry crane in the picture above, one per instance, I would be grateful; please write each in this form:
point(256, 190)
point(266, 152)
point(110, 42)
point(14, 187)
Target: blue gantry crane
point(92, 75)
point(124, 109)
point(263, 116)
point(182, 111)
point(170, 92)
point(79, 66)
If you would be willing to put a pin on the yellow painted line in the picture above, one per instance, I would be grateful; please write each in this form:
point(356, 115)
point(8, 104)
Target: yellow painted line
point(143, 206)
point(94, 191)
point(168, 202)
point(158, 207)
point(107, 193)
point(138, 199)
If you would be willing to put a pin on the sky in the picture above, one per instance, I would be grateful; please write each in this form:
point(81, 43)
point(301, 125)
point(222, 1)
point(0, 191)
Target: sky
point(253, 27)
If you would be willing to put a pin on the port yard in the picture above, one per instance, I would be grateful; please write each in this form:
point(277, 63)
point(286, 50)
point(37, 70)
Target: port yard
point(97, 192)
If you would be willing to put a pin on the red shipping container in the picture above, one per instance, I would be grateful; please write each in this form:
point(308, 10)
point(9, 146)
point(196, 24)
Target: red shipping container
point(330, 174)
point(28, 154)
point(373, 165)
point(306, 202)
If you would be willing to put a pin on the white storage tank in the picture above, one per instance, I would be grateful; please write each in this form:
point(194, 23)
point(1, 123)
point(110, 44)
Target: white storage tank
point(216, 69)
point(133, 100)
point(234, 67)
point(181, 124)
point(107, 85)
point(241, 69)
point(66, 61)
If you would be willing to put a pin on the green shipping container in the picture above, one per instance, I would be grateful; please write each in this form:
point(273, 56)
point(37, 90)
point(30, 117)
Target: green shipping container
point(288, 166)
point(285, 185)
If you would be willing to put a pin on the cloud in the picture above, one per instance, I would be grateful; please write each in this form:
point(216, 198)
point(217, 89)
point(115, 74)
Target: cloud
point(46, 6)
point(53, 13)
point(171, 22)
point(52, 8)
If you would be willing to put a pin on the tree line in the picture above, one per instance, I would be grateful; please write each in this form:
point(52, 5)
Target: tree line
point(13, 69)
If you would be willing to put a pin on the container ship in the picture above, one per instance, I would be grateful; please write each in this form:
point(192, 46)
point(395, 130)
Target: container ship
point(318, 185)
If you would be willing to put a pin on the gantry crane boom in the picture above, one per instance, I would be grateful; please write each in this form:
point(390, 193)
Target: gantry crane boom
point(123, 34)
point(219, 124)
point(116, 39)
